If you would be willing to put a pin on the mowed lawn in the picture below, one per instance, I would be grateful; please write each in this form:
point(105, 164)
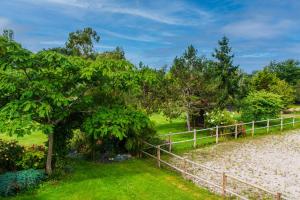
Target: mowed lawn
point(133, 179)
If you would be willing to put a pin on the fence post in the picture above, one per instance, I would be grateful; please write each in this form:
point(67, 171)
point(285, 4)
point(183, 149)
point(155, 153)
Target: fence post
point(236, 131)
point(195, 138)
point(253, 128)
point(184, 168)
point(278, 196)
point(281, 124)
point(224, 183)
point(158, 155)
point(268, 125)
point(294, 121)
point(217, 134)
point(170, 142)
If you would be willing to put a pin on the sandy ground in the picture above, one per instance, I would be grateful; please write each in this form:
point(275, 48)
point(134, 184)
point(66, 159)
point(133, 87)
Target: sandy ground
point(272, 162)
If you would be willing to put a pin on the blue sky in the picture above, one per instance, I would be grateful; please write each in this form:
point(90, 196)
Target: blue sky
point(156, 31)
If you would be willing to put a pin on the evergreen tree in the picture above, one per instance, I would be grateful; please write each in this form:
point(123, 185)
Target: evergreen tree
point(228, 74)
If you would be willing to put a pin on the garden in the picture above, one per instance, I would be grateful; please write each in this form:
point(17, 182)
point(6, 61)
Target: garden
point(73, 121)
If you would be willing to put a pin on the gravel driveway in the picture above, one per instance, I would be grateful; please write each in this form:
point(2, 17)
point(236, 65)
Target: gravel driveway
point(272, 161)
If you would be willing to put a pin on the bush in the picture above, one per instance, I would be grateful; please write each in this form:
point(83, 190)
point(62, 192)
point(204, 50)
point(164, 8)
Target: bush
point(33, 157)
point(16, 157)
point(261, 105)
point(219, 117)
point(14, 182)
point(10, 153)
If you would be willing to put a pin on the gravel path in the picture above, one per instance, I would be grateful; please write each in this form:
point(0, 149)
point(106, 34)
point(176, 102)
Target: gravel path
point(272, 162)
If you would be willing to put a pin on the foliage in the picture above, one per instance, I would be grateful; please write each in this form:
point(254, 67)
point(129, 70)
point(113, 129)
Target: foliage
point(297, 91)
point(192, 89)
point(131, 126)
point(33, 158)
point(261, 105)
point(10, 154)
point(14, 182)
point(54, 93)
point(8, 34)
point(154, 87)
point(228, 74)
point(219, 117)
point(117, 54)
point(268, 81)
point(80, 43)
point(288, 70)
point(126, 180)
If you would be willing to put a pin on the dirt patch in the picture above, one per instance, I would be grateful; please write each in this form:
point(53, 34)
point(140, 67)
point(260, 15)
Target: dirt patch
point(272, 162)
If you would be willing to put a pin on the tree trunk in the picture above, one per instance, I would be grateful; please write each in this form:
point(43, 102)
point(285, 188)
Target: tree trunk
point(188, 123)
point(49, 155)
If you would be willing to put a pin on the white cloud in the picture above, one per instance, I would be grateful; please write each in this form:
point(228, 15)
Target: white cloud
point(52, 42)
point(141, 38)
point(256, 55)
point(72, 3)
point(160, 12)
point(255, 29)
point(104, 46)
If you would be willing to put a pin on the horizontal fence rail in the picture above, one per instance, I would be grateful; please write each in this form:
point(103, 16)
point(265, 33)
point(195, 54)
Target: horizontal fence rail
point(228, 185)
point(219, 131)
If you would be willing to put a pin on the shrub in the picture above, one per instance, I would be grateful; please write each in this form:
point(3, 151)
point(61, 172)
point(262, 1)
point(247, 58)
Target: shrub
point(10, 153)
point(219, 117)
point(33, 157)
point(14, 182)
point(261, 105)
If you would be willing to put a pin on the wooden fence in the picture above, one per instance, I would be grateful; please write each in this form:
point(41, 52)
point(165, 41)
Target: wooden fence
point(218, 131)
point(229, 185)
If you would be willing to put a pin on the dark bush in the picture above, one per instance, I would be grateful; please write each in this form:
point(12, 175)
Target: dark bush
point(10, 153)
point(13, 182)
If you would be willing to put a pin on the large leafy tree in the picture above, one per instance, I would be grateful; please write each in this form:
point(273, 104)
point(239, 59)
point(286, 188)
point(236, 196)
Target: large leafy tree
point(154, 85)
point(228, 74)
point(268, 81)
point(80, 43)
point(259, 105)
point(192, 88)
point(288, 70)
point(55, 93)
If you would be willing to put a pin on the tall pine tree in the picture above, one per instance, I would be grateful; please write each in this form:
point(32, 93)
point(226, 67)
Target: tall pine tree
point(228, 74)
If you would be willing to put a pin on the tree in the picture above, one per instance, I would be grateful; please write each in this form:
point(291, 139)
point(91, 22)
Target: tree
point(229, 75)
point(261, 105)
point(55, 93)
point(8, 33)
point(268, 81)
point(81, 42)
point(154, 86)
point(192, 89)
point(288, 70)
point(117, 54)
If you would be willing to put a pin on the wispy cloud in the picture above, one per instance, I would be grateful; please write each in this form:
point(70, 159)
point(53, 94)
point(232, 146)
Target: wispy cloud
point(154, 12)
point(257, 28)
point(100, 46)
point(53, 42)
point(257, 55)
point(72, 3)
point(141, 38)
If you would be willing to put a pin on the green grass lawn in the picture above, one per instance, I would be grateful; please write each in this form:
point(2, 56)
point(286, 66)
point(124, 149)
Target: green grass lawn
point(37, 138)
point(163, 126)
point(133, 179)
